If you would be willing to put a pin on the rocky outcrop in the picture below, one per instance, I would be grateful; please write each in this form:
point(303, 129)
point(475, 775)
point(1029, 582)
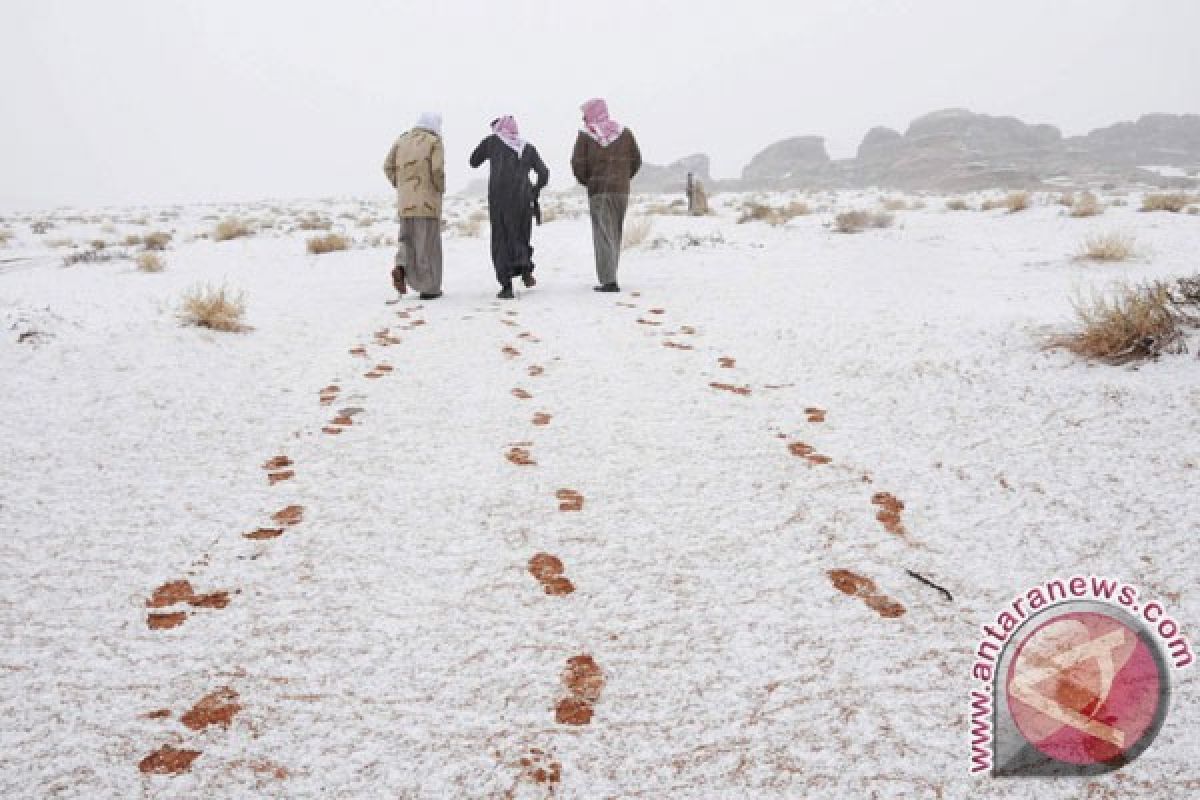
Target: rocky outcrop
point(960, 150)
point(1155, 139)
point(791, 161)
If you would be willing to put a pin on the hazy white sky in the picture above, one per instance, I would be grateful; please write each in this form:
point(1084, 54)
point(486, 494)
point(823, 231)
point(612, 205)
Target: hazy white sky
point(129, 101)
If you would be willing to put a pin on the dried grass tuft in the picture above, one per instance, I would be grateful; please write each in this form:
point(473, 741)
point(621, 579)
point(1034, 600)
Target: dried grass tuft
point(216, 308)
point(636, 233)
point(150, 262)
point(859, 221)
point(1018, 201)
point(231, 228)
point(1114, 246)
point(327, 243)
point(1173, 202)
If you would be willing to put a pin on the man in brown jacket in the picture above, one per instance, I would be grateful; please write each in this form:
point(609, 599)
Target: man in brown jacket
point(416, 167)
point(605, 160)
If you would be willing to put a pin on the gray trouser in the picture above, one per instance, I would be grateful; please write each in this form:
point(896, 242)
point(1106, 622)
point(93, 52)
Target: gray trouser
point(419, 251)
point(608, 225)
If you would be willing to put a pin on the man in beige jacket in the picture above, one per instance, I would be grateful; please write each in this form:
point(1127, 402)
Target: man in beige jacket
point(416, 167)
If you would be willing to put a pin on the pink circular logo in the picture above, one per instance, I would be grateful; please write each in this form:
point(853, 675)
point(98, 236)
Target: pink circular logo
point(1085, 688)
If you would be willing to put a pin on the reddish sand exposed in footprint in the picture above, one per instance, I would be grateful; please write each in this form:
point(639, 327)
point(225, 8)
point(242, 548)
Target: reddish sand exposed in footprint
point(527, 336)
point(343, 420)
point(331, 430)
point(687, 329)
point(889, 512)
point(170, 593)
point(510, 351)
point(678, 346)
point(277, 462)
point(264, 533)
point(373, 375)
point(573, 711)
point(521, 394)
point(166, 760)
point(626, 305)
point(508, 322)
point(520, 456)
point(548, 570)
point(726, 362)
point(648, 322)
point(328, 395)
point(210, 600)
point(290, 515)
point(815, 414)
point(862, 587)
point(808, 453)
point(535, 370)
point(729, 387)
point(215, 708)
point(584, 681)
point(162, 713)
point(160, 621)
point(358, 351)
point(541, 418)
point(658, 311)
point(569, 500)
point(276, 477)
point(384, 368)
point(635, 294)
point(174, 592)
point(539, 768)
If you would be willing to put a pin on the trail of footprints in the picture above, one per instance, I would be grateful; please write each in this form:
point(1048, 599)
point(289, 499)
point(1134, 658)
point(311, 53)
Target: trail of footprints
point(890, 507)
point(582, 679)
point(172, 603)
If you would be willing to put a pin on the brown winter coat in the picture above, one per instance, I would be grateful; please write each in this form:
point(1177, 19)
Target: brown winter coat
point(416, 166)
point(606, 170)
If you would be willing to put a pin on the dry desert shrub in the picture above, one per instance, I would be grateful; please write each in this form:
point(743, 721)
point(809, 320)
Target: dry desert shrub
point(149, 262)
point(231, 228)
point(217, 308)
point(313, 222)
point(327, 243)
point(636, 233)
point(40, 226)
point(5, 235)
point(992, 203)
point(60, 241)
point(957, 204)
point(1194, 210)
point(1066, 199)
point(1113, 246)
point(761, 212)
point(156, 241)
point(1017, 201)
point(1086, 205)
point(366, 221)
point(1173, 202)
point(1131, 323)
point(898, 204)
point(859, 221)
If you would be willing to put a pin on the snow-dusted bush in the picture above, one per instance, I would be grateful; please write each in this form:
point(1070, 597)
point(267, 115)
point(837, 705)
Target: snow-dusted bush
point(231, 228)
point(1113, 246)
point(217, 308)
point(327, 243)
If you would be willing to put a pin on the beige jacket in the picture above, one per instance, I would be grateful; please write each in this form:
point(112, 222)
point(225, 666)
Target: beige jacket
point(416, 166)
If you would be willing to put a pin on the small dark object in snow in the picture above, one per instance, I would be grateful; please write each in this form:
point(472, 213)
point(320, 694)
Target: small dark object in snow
point(945, 593)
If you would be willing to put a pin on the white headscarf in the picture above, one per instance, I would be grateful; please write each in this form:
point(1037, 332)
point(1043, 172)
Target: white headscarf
point(430, 121)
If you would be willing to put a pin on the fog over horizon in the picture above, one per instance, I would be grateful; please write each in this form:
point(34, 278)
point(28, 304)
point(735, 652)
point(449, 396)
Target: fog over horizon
point(137, 102)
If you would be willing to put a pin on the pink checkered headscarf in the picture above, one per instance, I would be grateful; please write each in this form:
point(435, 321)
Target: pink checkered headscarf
point(598, 124)
point(506, 128)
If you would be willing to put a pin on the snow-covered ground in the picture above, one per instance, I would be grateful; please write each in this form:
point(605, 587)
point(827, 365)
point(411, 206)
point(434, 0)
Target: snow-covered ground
point(394, 642)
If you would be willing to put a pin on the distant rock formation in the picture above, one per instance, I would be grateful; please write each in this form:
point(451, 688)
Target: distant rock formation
point(960, 150)
point(801, 159)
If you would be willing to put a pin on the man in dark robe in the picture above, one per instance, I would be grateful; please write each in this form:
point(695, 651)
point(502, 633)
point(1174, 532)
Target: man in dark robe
point(511, 200)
